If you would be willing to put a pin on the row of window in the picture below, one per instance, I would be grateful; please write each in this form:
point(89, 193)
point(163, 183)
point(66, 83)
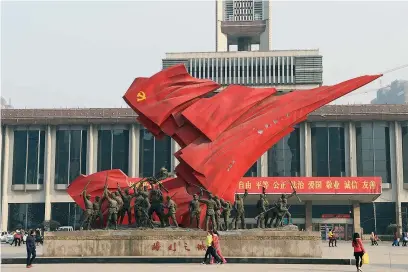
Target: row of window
point(71, 154)
point(327, 143)
point(245, 70)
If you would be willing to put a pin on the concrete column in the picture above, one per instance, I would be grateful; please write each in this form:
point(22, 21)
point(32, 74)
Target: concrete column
point(6, 177)
point(134, 144)
point(221, 40)
point(305, 150)
point(91, 160)
point(264, 165)
point(176, 149)
point(1, 171)
point(173, 159)
point(50, 134)
point(356, 219)
point(309, 216)
point(351, 151)
point(397, 175)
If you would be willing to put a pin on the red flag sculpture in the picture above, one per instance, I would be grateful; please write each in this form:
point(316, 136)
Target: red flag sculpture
point(220, 137)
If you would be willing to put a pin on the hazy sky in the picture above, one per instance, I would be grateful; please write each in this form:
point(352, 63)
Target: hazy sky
point(86, 54)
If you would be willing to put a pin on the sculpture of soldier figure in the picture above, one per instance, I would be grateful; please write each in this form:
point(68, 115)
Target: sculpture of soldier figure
point(112, 209)
point(156, 195)
point(261, 210)
point(280, 210)
point(88, 213)
point(217, 211)
point(210, 214)
point(266, 203)
point(119, 200)
point(156, 199)
point(240, 210)
point(226, 212)
point(126, 198)
point(142, 206)
point(172, 208)
point(283, 210)
point(195, 211)
point(97, 210)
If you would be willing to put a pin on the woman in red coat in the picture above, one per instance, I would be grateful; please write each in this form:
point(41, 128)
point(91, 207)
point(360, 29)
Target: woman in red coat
point(358, 251)
point(216, 242)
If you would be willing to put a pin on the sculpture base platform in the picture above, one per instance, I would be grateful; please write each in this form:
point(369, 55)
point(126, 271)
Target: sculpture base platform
point(181, 243)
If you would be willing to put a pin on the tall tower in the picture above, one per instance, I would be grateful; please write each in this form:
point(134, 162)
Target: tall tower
point(243, 24)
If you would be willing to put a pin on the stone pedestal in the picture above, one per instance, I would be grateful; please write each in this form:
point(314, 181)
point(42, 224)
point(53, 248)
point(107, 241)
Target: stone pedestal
point(182, 243)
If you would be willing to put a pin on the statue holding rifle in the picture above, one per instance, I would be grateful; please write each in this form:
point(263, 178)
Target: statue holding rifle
point(280, 209)
point(240, 210)
point(112, 209)
point(195, 211)
point(88, 213)
point(172, 208)
point(126, 198)
point(156, 195)
point(97, 210)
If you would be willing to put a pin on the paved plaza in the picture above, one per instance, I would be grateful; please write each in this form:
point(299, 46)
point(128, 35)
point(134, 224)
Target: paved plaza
point(383, 258)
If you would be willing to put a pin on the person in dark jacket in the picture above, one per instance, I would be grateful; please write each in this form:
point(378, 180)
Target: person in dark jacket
point(30, 245)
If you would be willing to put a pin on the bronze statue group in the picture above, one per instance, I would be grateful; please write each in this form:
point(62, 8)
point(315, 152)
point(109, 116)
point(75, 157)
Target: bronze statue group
point(149, 202)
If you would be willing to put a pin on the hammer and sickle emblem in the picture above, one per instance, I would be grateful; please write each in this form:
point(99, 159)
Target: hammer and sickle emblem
point(141, 96)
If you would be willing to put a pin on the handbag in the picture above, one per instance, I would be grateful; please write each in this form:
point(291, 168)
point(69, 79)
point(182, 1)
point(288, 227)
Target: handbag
point(366, 259)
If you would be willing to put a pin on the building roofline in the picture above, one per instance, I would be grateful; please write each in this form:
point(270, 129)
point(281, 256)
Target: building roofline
point(295, 52)
point(84, 116)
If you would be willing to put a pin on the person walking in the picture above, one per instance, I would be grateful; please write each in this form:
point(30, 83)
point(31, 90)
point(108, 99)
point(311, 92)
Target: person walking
point(396, 239)
point(372, 238)
point(17, 238)
point(216, 242)
point(376, 239)
point(211, 252)
point(332, 239)
point(31, 248)
point(359, 251)
point(404, 239)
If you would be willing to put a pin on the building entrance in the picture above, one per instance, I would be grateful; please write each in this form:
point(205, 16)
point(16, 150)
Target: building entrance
point(342, 231)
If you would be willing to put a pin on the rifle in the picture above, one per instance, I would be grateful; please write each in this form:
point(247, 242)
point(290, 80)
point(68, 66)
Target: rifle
point(153, 180)
point(256, 217)
point(294, 191)
point(86, 187)
point(105, 188)
point(201, 188)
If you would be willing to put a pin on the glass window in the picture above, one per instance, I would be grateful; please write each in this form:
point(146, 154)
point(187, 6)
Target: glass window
point(405, 151)
point(153, 154)
point(113, 149)
point(27, 216)
point(373, 150)
point(67, 214)
point(70, 159)
point(28, 157)
point(328, 152)
point(284, 156)
point(253, 171)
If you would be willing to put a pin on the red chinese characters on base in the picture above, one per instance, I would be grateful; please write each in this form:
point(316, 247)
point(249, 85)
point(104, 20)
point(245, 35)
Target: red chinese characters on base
point(312, 185)
point(201, 247)
point(172, 247)
point(156, 246)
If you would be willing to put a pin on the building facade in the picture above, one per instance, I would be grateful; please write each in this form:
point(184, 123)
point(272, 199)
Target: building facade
point(286, 70)
point(395, 93)
point(44, 150)
point(243, 25)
